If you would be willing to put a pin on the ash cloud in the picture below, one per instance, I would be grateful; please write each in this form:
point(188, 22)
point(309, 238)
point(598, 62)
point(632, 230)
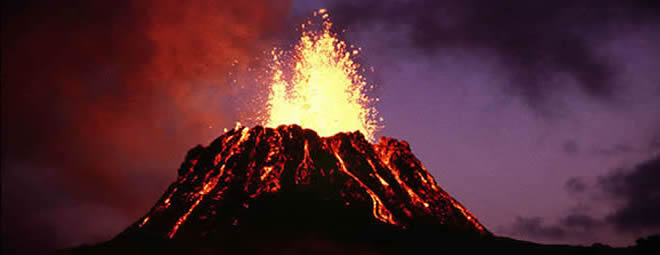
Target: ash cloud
point(580, 221)
point(570, 227)
point(634, 195)
point(655, 143)
point(536, 41)
point(576, 185)
point(574, 226)
point(638, 193)
point(534, 227)
point(543, 53)
point(570, 147)
point(101, 100)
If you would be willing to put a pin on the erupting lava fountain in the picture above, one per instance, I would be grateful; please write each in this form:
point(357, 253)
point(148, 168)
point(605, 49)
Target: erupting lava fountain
point(313, 168)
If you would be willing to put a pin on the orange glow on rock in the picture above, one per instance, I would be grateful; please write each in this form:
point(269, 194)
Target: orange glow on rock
point(208, 186)
point(379, 210)
point(146, 219)
point(252, 163)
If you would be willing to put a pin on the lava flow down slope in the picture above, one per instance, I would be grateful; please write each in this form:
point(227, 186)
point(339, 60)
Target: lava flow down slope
point(227, 184)
point(288, 184)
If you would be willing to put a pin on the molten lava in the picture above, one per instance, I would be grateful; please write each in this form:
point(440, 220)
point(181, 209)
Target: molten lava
point(326, 92)
point(219, 186)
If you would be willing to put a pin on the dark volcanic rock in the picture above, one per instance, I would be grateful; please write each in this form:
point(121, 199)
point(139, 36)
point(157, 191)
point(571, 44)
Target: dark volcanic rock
point(276, 187)
point(267, 179)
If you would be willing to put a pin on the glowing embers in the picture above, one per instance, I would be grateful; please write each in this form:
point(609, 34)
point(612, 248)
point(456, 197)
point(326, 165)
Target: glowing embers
point(389, 150)
point(303, 170)
point(168, 201)
point(413, 196)
point(325, 91)
point(467, 214)
point(144, 221)
point(232, 146)
point(266, 172)
point(208, 186)
point(385, 157)
point(379, 210)
point(273, 164)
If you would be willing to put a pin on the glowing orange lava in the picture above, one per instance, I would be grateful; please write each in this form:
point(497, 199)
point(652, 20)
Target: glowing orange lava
point(326, 91)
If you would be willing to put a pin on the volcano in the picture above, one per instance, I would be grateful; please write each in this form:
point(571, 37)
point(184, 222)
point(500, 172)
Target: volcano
point(288, 183)
point(229, 185)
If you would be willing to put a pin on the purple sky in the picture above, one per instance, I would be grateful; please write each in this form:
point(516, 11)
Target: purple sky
point(488, 147)
point(530, 115)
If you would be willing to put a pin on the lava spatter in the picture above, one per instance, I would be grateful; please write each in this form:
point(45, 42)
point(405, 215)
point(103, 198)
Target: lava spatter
point(325, 90)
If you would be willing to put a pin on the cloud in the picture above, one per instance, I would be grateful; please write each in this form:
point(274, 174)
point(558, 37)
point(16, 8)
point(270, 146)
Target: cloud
point(633, 196)
point(538, 42)
point(575, 226)
point(616, 149)
point(570, 147)
point(655, 143)
point(638, 193)
point(101, 99)
point(581, 221)
point(576, 185)
point(534, 227)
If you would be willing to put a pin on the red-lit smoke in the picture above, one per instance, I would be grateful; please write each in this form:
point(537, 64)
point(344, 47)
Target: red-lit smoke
point(112, 93)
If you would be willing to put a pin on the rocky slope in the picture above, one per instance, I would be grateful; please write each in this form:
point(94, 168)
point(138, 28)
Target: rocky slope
point(233, 183)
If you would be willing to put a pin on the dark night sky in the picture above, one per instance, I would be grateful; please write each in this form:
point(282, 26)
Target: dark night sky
point(542, 117)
